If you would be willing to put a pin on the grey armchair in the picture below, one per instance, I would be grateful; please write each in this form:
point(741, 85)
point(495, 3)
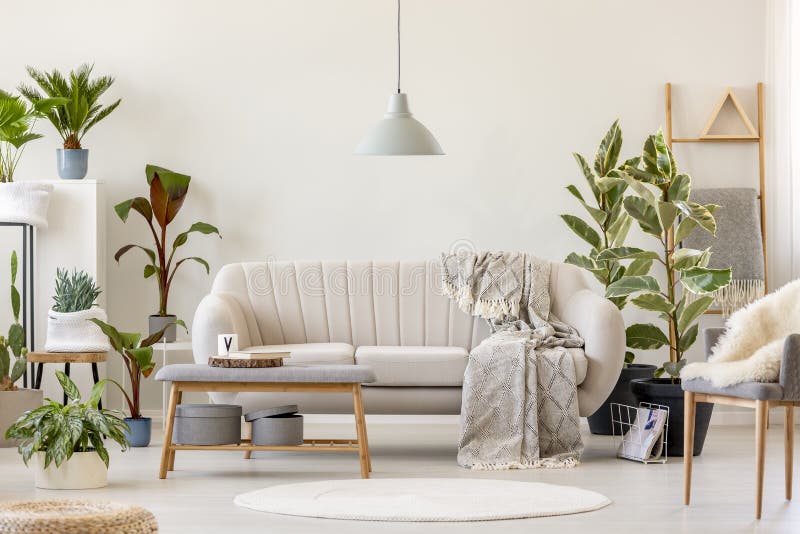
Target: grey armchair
point(759, 395)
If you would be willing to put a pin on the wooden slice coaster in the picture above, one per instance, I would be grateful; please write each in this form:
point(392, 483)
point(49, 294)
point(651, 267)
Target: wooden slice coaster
point(244, 363)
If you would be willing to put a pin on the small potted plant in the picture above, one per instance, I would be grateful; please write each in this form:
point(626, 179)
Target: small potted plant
point(661, 200)
point(24, 202)
point(168, 191)
point(66, 442)
point(137, 354)
point(68, 325)
point(612, 222)
point(13, 355)
point(76, 115)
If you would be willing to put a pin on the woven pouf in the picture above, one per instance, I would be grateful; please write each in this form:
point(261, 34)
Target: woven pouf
point(75, 517)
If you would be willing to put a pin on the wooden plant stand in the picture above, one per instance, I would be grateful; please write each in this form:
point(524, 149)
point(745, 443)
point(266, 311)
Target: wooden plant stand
point(359, 445)
point(65, 358)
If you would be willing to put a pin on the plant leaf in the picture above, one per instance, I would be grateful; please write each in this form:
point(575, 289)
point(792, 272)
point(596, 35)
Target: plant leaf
point(699, 214)
point(629, 357)
point(693, 310)
point(653, 302)
point(205, 228)
point(625, 253)
point(631, 284)
point(639, 267)
point(139, 204)
point(657, 158)
point(685, 258)
point(582, 230)
point(680, 188)
point(588, 174)
point(605, 158)
point(168, 190)
point(644, 214)
point(645, 337)
point(111, 333)
point(688, 338)
point(143, 356)
point(701, 280)
point(126, 248)
point(70, 389)
point(667, 212)
point(673, 369)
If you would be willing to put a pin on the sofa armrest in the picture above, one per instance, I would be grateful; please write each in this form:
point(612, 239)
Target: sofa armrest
point(790, 368)
point(600, 324)
point(217, 313)
point(711, 336)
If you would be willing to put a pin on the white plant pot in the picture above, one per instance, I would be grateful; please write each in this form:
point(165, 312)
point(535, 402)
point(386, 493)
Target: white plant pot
point(12, 405)
point(73, 332)
point(84, 470)
point(25, 202)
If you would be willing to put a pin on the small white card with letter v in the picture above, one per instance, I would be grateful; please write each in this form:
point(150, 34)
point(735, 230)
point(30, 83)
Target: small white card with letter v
point(227, 343)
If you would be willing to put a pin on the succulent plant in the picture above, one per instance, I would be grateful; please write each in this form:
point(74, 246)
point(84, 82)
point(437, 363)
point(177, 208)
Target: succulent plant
point(75, 291)
point(14, 344)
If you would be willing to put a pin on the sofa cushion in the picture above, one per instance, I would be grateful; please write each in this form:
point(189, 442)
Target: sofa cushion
point(581, 364)
point(313, 353)
point(414, 365)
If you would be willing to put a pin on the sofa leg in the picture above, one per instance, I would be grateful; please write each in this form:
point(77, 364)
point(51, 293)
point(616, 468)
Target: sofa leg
point(361, 431)
point(762, 414)
point(688, 443)
point(788, 433)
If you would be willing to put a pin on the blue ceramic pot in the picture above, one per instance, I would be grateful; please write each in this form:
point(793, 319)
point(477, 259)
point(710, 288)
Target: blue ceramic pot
point(73, 163)
point(141, 429)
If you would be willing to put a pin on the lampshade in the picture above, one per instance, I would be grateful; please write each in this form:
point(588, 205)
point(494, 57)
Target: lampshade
point(399, 134)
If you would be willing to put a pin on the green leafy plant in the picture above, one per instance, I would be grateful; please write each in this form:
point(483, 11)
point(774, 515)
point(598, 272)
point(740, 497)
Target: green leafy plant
point(14, 344)
point(661, 199)
point(608, 223)
point(168, 191)
point(61, 430)
point(75, 291)
point(17, 119)
point(137, 355)
point(79, 110)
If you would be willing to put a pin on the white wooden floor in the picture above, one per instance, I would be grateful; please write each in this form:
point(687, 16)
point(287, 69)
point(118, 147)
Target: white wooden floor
point(198, 496)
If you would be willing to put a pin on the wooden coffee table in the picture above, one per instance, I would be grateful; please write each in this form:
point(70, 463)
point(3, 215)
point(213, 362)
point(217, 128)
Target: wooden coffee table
point(312, 379)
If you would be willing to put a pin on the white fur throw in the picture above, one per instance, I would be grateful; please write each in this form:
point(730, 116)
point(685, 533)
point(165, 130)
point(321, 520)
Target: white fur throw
point(751, 348)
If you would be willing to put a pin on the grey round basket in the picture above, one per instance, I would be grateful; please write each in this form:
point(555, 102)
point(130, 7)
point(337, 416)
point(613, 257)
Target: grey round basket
point(207, 424)
point(275, 427)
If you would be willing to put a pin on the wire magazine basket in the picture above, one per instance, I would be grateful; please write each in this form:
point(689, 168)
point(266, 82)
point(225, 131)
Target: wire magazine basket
point(641, 432)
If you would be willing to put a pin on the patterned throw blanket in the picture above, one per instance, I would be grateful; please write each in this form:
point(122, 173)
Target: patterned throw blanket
point(519, 406)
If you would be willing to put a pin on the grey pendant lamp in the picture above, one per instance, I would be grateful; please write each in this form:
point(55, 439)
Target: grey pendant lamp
point(399, 133)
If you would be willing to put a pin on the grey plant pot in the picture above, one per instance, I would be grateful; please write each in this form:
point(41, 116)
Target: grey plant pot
point(157, 322)
point(12, 405)
point(73, 163)
point(141, 431)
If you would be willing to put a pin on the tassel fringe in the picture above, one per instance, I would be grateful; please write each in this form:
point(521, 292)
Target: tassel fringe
point(543, 463)
point(737, 294)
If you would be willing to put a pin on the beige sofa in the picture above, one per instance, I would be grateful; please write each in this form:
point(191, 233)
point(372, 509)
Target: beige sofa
point(393, 316)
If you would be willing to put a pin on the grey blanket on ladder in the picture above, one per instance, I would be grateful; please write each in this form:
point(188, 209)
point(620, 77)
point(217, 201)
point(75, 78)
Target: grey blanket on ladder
point(738, 244)
point(520, 401)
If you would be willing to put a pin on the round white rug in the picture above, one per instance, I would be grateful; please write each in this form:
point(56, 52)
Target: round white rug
point(422, 499)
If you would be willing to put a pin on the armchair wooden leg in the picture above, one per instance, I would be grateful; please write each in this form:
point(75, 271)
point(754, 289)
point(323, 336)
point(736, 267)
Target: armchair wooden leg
point(762, 414)
point(171, 466)
point(688, 443)
point(788, 442)
point(248, 433)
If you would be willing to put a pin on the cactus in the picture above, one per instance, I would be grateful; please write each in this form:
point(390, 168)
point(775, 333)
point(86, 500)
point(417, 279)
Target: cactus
point(14, 344)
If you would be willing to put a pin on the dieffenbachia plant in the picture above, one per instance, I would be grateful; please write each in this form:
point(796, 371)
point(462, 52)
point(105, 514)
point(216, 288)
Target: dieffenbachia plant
point(661, 205)
point(609, 223)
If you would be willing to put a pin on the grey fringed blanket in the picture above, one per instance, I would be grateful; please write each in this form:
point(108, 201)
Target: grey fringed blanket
point(738, 244)
point(519, 403)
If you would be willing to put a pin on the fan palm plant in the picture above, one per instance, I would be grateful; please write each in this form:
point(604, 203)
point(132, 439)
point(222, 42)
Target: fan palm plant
point(16, 124)
point(80, 109)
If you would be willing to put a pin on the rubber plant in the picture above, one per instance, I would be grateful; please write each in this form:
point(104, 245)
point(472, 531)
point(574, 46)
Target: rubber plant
point(137, 355)
point(59, 431)
point(16, 124)
point(661, 205)
point(608, 223)
point(78, 94)
point(168, 192)
point(14, 344)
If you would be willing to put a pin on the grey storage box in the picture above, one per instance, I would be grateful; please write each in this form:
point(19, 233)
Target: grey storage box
point(207, 424)
point(277, 426)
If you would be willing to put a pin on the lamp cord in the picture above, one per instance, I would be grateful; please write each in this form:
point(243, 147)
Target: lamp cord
point(398, 46)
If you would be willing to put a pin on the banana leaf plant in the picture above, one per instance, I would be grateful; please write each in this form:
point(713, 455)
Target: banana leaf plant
point(168, 191)
point(137, 355)
point(608, 223)
point(14, 344)
point(661, 205)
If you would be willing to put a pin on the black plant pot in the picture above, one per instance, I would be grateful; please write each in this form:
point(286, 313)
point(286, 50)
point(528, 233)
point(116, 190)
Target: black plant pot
point(600, 421)
point(663, 391)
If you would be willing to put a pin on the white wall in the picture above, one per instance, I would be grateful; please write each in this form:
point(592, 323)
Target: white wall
point(263, 102)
